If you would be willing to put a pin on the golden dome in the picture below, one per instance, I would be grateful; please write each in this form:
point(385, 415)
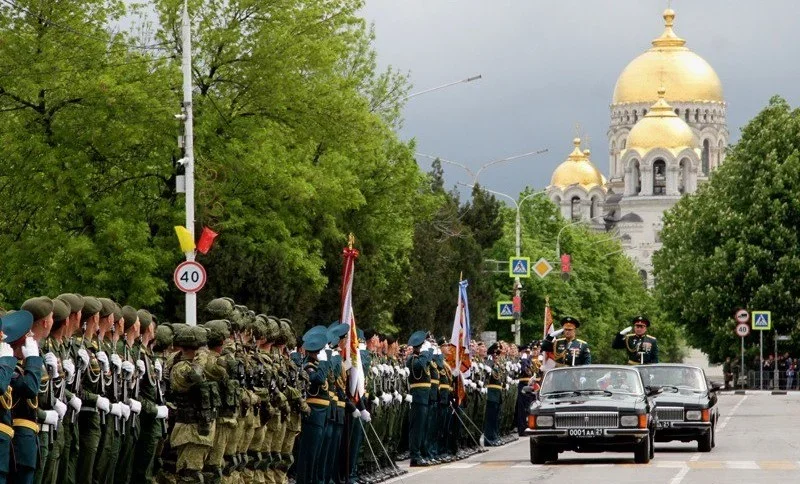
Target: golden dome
point(577, 170)
point(661, 128)
point(685, 75)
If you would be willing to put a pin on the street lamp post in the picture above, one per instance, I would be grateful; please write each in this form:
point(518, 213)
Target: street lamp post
point(469, 79)
point(476, 174)
point(517, 251)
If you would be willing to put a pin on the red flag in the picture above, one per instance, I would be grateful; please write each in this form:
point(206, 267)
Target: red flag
point(206, 240)
point(548, 362)
point(352, 360)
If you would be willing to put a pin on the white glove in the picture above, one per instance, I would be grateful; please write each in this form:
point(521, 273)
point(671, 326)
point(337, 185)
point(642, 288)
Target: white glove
point(50, 417)
point(583, 380)
point(69, 369)
point(365, 416)
point(84, 356)
point(162, 411)
point(409, 398)
point(159, 369)
point(126, 411)
point(102, 357)
point(524, 356)
point(30, 348)
point(375, 371)
point(484, 391)
point(51, 362)
point(386, 398)
point(437, 351)
point(480, 383)
point(322, 356)
point(626, 330)
point(127, 369)
point(356, 413)
point(136, 406)
point(60, 408)
point(76, 403)
point(140, 367)
point(103, 404)
point(6, 349)
point(397, 397)
point(556, 334)
point(116, 409)
point(456, 372)
point(116, 361)
point(425, 346)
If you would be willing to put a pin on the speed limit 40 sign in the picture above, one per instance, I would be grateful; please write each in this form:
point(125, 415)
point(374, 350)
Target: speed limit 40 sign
point(190, 276)
point(743, 330)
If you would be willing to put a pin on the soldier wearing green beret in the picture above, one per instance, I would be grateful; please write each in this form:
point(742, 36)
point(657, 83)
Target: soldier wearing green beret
point(128, 350)
point(8, 364)
point(67, 463)
point(110, 363)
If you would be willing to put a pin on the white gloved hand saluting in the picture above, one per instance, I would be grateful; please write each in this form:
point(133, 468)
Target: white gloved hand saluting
point(60, 408)
point(365, 416)
point(102, 357)
point(162, 411)
point(76, 403)
point(556, 334)
point(626, 330)
point(30, 348)
point(6, 349)
point(103, 404)
point(322, 356)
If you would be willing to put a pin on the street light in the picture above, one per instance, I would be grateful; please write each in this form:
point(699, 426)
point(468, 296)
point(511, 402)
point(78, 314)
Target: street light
point(469, 79)
point(474, 174)
point(558, 237)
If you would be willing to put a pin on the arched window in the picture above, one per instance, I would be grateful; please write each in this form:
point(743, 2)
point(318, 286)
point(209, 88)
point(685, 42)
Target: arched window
point(635, 116)
point(622, 144)
point(594, 208)
point(636, 178)
point(686, 115)
point(576, 208)
point(643, 276)
point(683, 179)
point(659, 177)
point(720, 152)
point(705, 156)
point(614, 159)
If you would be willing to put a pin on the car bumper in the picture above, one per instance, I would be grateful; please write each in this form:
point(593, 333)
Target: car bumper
point(611, 438)
point(682, 431)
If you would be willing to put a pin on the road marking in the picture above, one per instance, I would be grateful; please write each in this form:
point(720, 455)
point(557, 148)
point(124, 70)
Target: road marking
point(744, 464)
point(461, 465)
point(672, 464)
point(679, 476)
point(724, 423)
point(780, 465)
point(409, 475)
point(527, 466)
point(695, 457)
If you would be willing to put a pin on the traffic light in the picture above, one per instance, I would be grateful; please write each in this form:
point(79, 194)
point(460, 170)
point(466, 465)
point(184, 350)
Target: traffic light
point(566, 266)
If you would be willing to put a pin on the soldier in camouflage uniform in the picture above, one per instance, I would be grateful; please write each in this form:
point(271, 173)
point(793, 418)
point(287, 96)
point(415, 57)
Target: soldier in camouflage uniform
point(162, 354)
point(290, 428)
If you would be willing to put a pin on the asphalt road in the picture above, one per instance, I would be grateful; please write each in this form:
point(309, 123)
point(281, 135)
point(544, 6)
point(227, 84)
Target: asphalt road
point(758, 439)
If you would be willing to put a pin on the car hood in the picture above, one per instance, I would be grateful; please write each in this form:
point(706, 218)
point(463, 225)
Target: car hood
point(590, 403)
point(669, 399)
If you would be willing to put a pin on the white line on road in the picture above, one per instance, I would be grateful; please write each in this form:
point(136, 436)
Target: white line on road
point(744, 464)
point(461, 465)
point(728, 418)
point(680, 475)
point(695, 457)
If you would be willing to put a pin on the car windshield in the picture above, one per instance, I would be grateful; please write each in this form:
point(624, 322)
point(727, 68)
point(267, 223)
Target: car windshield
point(673, 376)
point(587, 379)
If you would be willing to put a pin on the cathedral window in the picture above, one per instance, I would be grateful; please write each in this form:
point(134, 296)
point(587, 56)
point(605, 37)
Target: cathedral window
point(706, 150)
point(683, 179)
point(594, 208)
point(659, 177)
point(575, 213)
point(636, 178)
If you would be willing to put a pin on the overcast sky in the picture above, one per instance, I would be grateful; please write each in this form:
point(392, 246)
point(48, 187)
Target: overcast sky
point(547, 65)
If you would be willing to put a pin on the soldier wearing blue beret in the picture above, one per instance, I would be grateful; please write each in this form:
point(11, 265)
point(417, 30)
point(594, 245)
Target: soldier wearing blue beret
point(419, 381)
point(317, 399)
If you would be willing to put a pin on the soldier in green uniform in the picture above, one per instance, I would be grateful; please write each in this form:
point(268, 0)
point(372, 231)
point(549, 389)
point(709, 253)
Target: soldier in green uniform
point(8, 364)
point(25, 390)
point(318, 401)
point(494, 395)
point(127, 348)
point(69, 429)
point(569, 350)
point(641, 348)
point(419, 381)
point(162, 349)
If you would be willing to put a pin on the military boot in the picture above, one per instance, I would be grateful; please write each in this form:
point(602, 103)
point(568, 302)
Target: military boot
point(189, 476)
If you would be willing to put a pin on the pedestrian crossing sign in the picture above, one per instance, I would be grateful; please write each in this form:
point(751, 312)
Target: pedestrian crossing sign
point(505, 310)
point(519, 267)
point(762, 320)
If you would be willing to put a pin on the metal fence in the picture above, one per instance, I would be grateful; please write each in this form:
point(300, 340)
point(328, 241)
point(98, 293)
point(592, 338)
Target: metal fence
point(752, 381)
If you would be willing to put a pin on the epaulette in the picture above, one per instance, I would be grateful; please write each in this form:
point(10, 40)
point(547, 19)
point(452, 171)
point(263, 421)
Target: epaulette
point(653, 337)
point(581, 341)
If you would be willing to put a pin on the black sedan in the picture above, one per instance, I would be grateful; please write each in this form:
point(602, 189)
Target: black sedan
point(687, 405)
point(595, 408)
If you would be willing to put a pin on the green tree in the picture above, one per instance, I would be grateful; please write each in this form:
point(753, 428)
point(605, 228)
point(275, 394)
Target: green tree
point(734, 244)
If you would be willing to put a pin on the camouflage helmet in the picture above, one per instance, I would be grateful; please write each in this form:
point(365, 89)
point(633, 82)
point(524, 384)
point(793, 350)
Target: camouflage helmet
point(164, 335)
point(288, 332)
point(220, 308)
point(274, 327)
point(218, 331)
point(257, 328)
point(191, 337)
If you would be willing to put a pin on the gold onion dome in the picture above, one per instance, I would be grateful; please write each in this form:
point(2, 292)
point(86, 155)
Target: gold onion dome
point(669, 63)
point(577, 170)
point(661, 128)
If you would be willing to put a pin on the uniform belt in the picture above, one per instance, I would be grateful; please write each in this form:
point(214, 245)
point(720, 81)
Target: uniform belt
point(496, 387)
point(445, 387)
point(340, 404)
point(318, 401)
point(434, 382)
point(420, 385)
point(28, 424)
point(8, 430)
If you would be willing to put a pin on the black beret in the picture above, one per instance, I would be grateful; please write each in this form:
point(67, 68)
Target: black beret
point(39, 307)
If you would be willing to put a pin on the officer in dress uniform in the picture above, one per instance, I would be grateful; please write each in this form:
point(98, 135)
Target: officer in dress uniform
point(318, 401)
point(10, 325)
point(494, 395)
point(568, 350)
point(642, 349)
point(419, 380)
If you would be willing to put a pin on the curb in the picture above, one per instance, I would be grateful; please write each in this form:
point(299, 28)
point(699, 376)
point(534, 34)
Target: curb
point(760, 392)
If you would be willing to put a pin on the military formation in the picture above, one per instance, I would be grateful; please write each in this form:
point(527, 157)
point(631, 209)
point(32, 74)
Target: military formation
point(95, 392)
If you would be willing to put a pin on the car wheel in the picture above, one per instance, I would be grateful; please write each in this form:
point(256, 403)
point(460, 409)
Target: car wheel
point(652, 446)
point(641, 454)
point(705, 443)
point(539, 454)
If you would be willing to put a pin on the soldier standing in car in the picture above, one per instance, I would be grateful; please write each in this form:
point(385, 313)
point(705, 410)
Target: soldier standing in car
point(568, 350)
point(641, 348)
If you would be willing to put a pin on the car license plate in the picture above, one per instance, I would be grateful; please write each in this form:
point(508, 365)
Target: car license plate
point(585, 433)
point(664, 424)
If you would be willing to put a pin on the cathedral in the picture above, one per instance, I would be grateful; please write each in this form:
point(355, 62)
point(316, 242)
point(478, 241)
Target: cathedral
point(667, 133)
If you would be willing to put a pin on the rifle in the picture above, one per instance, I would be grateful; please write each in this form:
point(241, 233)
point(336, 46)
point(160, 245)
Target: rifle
point(125, 384)
point(135, 416)
point(160, 398)
point(119, 427)
point(76, 389)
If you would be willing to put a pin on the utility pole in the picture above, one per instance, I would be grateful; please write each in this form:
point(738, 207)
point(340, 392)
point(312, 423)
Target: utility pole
point(188, 148)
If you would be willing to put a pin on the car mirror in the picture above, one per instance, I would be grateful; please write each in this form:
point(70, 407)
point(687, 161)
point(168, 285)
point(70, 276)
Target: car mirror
point(652, 390)
point(716, 386)
point(527, 390)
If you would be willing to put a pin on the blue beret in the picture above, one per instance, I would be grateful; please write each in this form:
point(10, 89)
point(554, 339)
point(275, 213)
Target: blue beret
point(360, 333)
point(315, 330)
point(416, 338)
point(16, 325)
point(332, 337)
point(315, 342)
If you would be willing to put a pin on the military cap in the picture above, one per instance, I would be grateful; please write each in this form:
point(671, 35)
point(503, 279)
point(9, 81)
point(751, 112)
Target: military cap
point(16, 325)
point(130, 316)
point(91, 306)
point(145, 318)
point(315, 330)
point(333, 324)
point(39, 307)
point(494, 348)
point(315, 342)
point(163, 339)
point(286, 331)
point(291, 341)
point(220, 308)
point(218, 331)
point(74, 301)
point(640, 319)
point(335, 333)
point(416, 338)
point(60, 311)
point(272, 327)
point(570, 320)
point(109, 307)
point(117, 312)
point(191, 337)
point(360, 334)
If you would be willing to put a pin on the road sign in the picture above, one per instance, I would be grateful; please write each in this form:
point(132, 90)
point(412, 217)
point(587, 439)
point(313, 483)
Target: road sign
point(784, 337)
point(762, 320)
point(742, 316)
point(505, 310)
point(190, 276)
point(519, 267)
point(542, 268)
point(743, 330)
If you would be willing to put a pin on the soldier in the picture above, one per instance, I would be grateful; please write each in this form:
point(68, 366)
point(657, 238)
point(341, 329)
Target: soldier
point(69, 426)
point(230, 396)
point(641, 348)
point(8, 364)
point(128, 350)
point(292, 423)
point(162, 353)
point(494, 395)
point(318, 401)
point(420, 385)
point(568, 351)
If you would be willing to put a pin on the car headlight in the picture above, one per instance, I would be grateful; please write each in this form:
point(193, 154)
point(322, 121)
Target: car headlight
point(693, 415)
point(544, 421)
point(629, 420)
